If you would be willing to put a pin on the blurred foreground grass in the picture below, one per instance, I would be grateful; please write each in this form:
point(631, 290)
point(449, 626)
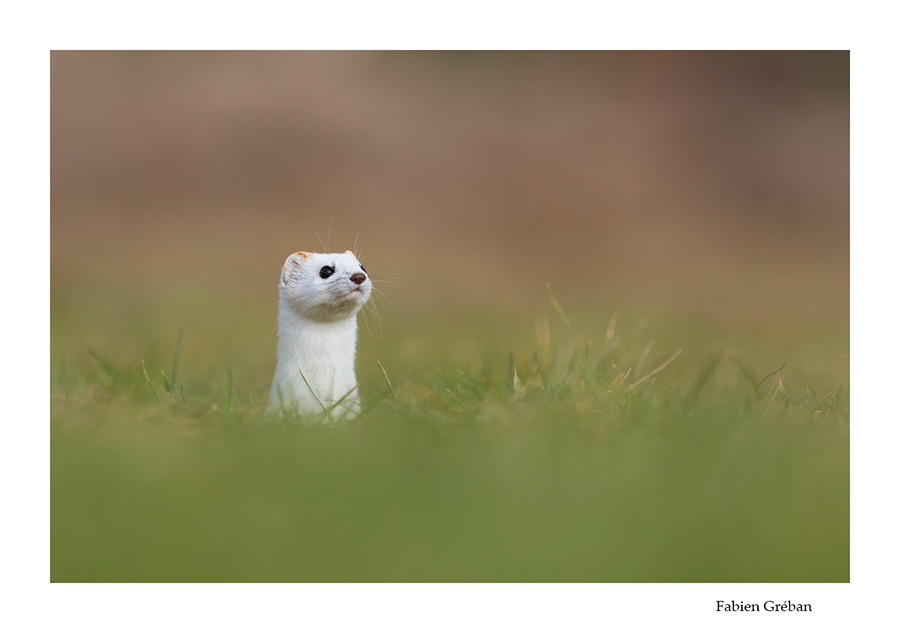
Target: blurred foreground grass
point(487, 457)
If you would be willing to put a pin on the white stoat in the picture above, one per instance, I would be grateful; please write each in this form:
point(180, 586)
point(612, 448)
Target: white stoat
point(320, 295)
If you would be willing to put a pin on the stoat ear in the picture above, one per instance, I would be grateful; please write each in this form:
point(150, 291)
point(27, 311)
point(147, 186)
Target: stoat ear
point(293, 264)
point(349, 253)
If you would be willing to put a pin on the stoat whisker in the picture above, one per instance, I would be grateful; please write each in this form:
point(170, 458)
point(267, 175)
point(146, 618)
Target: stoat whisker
point(361, 253)
point(274, 329)
point(378, 295)
point(371, 309)
point(365, 315)
point(356, 242)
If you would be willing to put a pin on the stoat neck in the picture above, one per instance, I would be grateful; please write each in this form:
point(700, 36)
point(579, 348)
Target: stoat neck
point(316, 345)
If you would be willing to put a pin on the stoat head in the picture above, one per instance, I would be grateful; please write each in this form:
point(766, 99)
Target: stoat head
point(324, 286)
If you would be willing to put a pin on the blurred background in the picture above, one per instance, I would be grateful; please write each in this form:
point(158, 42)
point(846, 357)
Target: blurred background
point(710, 189)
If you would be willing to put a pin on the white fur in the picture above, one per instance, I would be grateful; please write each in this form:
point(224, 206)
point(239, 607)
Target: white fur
point(317, 335)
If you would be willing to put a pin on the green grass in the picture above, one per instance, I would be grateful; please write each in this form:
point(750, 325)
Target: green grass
point(482, 455)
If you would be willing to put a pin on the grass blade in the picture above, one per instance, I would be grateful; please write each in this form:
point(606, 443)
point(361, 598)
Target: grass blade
point(228, 388)
point(111, 373)
point(746, 371)
point(147, 377)
point(311, 390)
point(656, 371)
point(565, 321)
point(767, 376)
point(386, 379)
point(706, 372)
point(177, 356)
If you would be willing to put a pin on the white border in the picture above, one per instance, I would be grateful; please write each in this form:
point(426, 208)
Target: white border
point(34, 604)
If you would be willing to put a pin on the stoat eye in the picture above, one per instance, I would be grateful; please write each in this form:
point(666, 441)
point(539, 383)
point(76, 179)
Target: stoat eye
point(326, 272)
point(364, 269)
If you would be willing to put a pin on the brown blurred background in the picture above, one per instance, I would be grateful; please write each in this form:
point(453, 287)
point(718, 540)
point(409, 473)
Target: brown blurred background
point(711, 187)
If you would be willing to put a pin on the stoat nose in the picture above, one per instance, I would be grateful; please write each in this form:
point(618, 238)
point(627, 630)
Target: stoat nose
point(357, 278)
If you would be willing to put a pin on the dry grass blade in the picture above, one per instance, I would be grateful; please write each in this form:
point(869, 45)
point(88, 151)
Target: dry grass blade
point(618, 381)
point(611, 328)
point(644, 355)
point(767, 376)
point(570, 330)
point(147, 378)
point(656, 371)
